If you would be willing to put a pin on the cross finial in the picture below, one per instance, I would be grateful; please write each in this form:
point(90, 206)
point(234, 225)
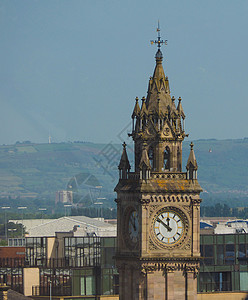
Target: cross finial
point(159, 42)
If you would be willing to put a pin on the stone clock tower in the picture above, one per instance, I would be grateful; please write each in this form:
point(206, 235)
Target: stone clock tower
point(158, 205)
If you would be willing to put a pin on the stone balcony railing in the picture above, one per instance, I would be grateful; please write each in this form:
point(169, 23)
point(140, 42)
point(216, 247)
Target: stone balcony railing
point(159, 175)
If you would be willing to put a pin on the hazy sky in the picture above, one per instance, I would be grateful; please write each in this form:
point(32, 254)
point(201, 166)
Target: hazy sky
point(73, 68)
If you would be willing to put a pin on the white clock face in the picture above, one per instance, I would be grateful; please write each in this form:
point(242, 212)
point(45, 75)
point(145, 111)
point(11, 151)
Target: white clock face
point(168, 227)
point(133, 226)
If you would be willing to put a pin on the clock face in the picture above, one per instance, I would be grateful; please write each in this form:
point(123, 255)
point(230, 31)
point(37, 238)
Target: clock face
point(168, 226)
point(133, 226)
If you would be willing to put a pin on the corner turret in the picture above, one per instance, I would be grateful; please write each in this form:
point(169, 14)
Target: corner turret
point(191, 164)
point(124, 165)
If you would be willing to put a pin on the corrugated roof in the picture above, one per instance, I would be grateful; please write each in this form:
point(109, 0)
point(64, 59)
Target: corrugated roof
point(66, 224)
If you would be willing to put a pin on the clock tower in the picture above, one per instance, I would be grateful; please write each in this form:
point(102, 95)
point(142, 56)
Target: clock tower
point(158, 205)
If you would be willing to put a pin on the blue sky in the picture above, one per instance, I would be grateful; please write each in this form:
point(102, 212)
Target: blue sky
point(73, 68)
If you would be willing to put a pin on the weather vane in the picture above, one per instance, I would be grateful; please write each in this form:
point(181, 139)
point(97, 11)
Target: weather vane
point(159, 41)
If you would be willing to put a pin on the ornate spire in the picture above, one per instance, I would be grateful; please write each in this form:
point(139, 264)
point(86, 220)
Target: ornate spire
point(191, 164)
point(124, 162)
point(157, 123)
point(136, 110)
point(180, 108)
point(158, 87)
point(143, 111)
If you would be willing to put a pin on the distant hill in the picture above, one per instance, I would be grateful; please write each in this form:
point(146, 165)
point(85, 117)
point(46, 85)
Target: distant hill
point(39, 170)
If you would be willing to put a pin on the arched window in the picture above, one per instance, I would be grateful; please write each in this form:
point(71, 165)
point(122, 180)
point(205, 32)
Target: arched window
point(151, 156)
point(179, 165)
point(167, 159)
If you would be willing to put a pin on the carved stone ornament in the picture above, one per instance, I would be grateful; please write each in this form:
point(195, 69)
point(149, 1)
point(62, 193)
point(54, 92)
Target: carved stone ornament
point(192, 269)
point(166, 131)
point(196, 201)
point(153, 208)
point(170, 267)
point(169, 198)
point(152, 246)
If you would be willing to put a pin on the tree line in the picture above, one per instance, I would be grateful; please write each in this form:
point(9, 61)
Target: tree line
point(224, 210)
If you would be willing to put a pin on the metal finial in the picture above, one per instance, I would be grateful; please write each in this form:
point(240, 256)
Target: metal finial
point(124, 145)
point(159, 42)
point(191, 145)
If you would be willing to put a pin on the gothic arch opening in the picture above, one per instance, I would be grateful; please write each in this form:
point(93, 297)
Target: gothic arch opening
point(179, 164)
point(151, 156)
point(167, 159)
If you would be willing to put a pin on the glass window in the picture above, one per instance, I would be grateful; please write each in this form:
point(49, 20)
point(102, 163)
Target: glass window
point(229, 238)
point(244, 281)
point(220, 239)
point(208, 239)
point(242, 238)
point(220, 254)
point(214, 281)
point(229, 254)
point(87, 285)
point(208, 254)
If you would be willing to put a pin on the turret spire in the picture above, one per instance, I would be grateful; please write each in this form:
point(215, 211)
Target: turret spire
point(192, 164)
point(158, 122)
point(124, 165)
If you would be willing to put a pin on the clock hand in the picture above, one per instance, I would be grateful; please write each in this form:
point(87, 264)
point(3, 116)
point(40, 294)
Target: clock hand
point(165, 225)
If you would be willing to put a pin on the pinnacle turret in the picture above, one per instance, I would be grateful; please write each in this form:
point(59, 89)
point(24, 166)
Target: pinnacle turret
point(124, 165)
point(192, 164)
point(136, 110)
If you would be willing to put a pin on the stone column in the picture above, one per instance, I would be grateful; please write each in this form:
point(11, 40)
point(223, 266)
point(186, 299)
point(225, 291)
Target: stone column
point(150, 285)
point(191, 286)
point(159, 285)
point(121, 282)
point(170, 285)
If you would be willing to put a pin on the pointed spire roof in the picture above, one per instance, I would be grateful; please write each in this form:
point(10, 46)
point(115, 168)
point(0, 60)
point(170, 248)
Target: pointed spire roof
point(173, 106)
point(124, 162)
point(180, 108)
point(143, 107)
point(144, 161)
point(136, 110)
point(159, 85)
point(192, 164)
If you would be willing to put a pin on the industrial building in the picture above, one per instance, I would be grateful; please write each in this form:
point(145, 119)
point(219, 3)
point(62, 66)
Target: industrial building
point(79, 262)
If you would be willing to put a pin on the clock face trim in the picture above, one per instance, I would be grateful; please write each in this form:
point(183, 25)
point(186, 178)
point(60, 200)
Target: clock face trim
point(169, 227)
point(131, 227)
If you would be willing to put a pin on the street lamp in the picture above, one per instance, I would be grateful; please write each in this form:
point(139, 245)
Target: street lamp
point(22, 208)
point(42, 209)
point(5, 221)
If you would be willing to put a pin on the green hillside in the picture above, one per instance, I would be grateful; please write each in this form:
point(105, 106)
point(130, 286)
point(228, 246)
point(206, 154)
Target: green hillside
point(39, 170)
